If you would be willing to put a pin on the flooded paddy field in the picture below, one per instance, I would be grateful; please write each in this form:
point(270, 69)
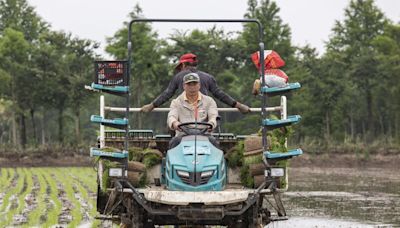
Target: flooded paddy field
point(342, 197)
point(317, 197)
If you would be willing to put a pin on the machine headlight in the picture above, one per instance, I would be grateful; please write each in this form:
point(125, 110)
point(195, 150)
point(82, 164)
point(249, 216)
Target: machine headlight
point(182, 173)
point(277, 172)
point(207, 173)
point(115, 172)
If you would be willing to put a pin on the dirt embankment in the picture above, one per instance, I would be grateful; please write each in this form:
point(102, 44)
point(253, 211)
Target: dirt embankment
point(346, 160)
point(342, 160)
point(59, 161)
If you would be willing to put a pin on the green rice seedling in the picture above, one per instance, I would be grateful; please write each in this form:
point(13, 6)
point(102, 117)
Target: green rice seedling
point(34, 216)
point(81, 189)
point(253, 159)
point(245, 177)
point(12, 191)
point(86, 177)
point(84, 190)
point(7, 177)
point(54, 212)
point(68, 187)
point(27, 189)
point(3, 177)
point(17, 191)
point(135, 154)
point(234, 157)
point(107, 164)
point(109, 149)
point(151, 160)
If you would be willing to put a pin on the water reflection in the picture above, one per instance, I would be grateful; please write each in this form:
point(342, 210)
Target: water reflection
point(305, 222)
point(365, 197)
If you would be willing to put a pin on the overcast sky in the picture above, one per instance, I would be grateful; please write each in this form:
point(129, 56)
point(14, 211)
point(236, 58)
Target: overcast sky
point(310, 21)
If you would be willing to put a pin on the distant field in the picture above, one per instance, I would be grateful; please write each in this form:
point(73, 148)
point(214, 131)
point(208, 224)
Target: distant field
point(44, 197)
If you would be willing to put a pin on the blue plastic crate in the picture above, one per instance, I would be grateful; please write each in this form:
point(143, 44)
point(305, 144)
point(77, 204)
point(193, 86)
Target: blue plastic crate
point(116, 123)
point(274, 91)
point(98, 153)
point(277, 123)
point(111, 89)
point(283, 155)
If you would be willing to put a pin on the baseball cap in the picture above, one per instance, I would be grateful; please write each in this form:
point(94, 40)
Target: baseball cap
point(186, 58)
point(191, 77)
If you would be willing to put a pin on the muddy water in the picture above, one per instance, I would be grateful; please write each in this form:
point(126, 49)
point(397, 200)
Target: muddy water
point(342, 197)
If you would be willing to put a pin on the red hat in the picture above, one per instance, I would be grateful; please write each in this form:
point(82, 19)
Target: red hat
point(186, 58)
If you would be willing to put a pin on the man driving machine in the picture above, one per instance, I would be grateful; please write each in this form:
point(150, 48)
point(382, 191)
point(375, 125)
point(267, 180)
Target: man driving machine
point(191, 106)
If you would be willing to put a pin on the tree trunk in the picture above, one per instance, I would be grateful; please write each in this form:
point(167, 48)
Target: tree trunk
point(327, 127)
point(32, 111)
point(397, 127)
point(370, 121)
point(60, 126)
point(14, 129)
point(352, 130)
point(23, 130)
point(43, 130)
point(77, 127)
point(382, 126)
point(364, 133)
point(14, 116)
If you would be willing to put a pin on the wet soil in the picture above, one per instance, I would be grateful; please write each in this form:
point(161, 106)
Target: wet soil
point(342, 197)
point(326, 190)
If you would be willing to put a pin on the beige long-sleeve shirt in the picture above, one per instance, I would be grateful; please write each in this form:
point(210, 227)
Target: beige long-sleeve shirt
point(182, 111)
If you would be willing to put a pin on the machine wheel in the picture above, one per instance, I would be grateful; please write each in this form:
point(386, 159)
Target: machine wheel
point(101, 200)
point(137, 216)
point(254, 217)
point(134, 217)
point(238, 225)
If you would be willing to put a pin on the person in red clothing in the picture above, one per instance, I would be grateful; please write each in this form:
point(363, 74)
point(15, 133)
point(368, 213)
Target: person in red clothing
point(208, 84)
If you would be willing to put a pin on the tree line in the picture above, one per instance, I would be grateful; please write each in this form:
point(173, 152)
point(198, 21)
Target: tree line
point(350, 93)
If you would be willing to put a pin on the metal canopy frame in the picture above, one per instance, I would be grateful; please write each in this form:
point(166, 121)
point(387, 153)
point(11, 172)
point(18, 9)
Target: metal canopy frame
point(261, 51)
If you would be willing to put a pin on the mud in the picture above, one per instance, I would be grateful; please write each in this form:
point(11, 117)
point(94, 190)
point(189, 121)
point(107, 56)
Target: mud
point(342, 197)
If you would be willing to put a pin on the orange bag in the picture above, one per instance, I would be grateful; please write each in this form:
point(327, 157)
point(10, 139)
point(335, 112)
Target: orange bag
point(272, 60)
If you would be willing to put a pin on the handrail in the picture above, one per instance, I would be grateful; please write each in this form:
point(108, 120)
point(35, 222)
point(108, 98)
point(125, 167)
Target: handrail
point(120, 109)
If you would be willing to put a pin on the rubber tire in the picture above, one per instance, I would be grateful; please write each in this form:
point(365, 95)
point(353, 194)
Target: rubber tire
point(138, 216)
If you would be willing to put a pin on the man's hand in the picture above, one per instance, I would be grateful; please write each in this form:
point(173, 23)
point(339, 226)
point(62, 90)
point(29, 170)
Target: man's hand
point(175, 125)
point(242, 108)
point(147, 108)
